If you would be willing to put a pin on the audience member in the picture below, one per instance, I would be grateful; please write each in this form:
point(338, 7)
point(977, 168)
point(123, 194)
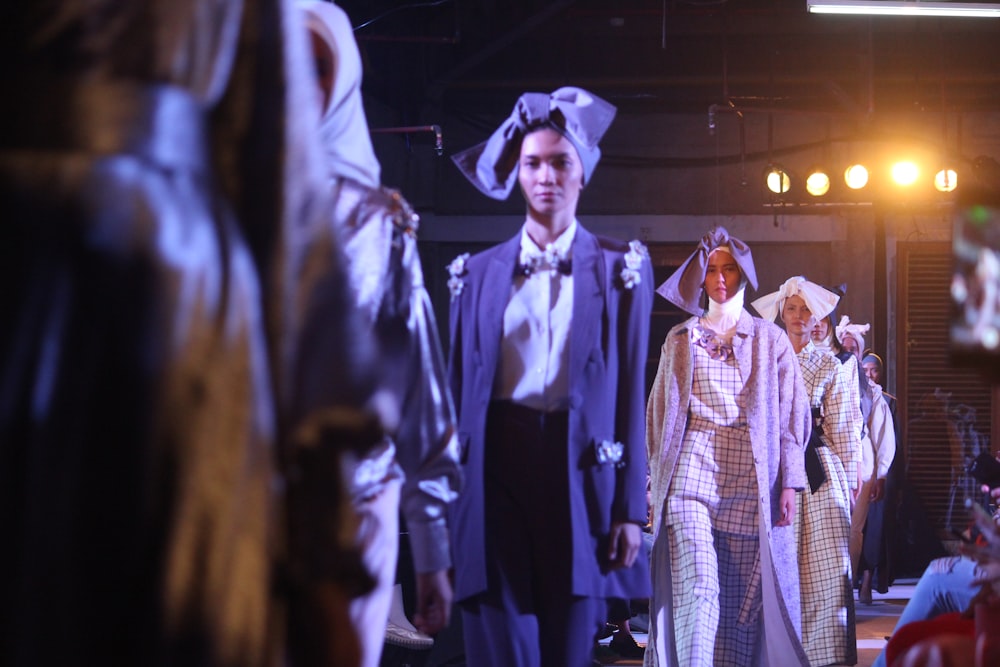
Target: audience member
point(548, 346)
point(727, 421)
point(832, 459)
point(952, 617)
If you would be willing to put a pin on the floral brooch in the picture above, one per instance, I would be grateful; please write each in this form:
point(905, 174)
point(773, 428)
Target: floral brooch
point(457, 269)
point(610, 452)
point(637, 253)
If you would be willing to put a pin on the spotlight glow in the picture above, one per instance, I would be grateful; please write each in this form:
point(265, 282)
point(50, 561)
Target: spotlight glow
point(777, 180)
point(905, 173)
point(856, 176)
point(945, 180)
point(818, 184)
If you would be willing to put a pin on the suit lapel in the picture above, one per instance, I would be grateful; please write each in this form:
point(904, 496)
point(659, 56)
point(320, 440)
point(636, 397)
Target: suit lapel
point(588, 305)
point(743, 345)
point(496, 286)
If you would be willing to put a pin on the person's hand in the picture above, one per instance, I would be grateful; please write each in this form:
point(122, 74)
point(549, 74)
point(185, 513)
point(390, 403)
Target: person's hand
point(626, 538)
point(878, 490)
point(434, 595)
point(786, 507)
point(994, 492)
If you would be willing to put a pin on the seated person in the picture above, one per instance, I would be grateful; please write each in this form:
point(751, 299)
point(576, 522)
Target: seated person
point(945, 602)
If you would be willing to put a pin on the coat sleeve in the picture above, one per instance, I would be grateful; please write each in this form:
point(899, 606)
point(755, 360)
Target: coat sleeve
point(795, 421)
point(838, 421)
point(656, 411)
point(883, 434)
point(630, 491)
point(428, 446)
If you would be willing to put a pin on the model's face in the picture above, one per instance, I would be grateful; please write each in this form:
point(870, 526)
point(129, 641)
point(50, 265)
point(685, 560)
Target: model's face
point(873, 372)
point(851, 346)
point(550, 173)
point(722, 277)
point(820, 330)
point(796, 316)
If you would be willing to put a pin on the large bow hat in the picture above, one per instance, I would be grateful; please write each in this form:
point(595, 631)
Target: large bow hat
point(819, 300)
point(578, 115)
point(685, 286)
point(856, 331)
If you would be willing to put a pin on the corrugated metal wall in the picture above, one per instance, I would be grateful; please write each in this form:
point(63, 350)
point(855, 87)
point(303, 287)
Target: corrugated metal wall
point(945, 410)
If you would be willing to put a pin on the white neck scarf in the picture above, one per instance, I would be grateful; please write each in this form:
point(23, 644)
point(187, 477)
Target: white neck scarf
point(722, 317)
point(826, 344)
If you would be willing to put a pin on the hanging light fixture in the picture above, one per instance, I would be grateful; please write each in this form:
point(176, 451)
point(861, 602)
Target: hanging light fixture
point(905, 173)
point(856, 176)
point(945, 180)
point(777, 180)
point(817, 182)
point(905, 8)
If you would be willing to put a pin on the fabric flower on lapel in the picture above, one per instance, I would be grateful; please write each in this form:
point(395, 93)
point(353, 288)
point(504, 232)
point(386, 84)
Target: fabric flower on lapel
point(457, 269)
point(709, 341)
point(637, 253)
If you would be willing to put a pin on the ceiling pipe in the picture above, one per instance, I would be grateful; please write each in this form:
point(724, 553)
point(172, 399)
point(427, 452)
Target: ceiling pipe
point(412, 129)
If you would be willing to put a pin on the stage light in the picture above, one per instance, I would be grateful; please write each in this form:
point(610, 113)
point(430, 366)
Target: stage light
point(905, 8)
point(905, 173)
point(777, 180)
point(817, 183)
point(945, 180)
point(856, 176)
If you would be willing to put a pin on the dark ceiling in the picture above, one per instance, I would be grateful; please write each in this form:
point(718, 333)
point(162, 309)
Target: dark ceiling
point(665, 56)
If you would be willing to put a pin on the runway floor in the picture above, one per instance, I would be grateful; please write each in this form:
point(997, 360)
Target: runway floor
point(874, 623)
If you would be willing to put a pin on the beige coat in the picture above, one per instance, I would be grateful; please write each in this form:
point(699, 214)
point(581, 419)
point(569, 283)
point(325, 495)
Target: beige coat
point(779, 422)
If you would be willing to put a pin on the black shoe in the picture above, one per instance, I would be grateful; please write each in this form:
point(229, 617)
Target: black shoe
point(607, 631)
point(626, 646)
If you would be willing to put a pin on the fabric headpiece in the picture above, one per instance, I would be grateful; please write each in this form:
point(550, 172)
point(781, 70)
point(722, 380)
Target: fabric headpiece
point(685, 285)
point(877, 360)
point(855, 331)
point(347, 145)
point(819, 300)
point(578, 115)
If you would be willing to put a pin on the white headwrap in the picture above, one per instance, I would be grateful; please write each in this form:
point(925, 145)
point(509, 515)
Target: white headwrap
point(855, 331)
point(819, 300)
point(347, 143)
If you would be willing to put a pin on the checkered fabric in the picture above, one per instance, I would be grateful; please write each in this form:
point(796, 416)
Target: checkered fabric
point(823, 522)
point(712, 524)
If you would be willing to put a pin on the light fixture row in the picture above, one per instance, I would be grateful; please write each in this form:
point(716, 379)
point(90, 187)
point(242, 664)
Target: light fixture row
point(905, 8)
point(904, 174)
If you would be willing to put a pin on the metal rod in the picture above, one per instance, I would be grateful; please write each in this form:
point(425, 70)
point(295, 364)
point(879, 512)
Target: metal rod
point(412, 129)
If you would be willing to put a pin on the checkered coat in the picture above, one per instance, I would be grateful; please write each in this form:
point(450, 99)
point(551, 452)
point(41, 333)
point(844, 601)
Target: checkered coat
point(779, 423)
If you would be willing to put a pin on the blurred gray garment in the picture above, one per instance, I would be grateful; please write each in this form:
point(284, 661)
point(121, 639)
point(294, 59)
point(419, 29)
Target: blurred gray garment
point(379, 232)
point(159, 205)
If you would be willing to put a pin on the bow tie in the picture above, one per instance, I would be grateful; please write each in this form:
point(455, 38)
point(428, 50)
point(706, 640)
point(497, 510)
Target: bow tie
point(547, 261)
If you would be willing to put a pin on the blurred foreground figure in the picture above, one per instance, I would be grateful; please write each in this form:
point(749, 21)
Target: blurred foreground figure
point(417, 471)
point(164, 275)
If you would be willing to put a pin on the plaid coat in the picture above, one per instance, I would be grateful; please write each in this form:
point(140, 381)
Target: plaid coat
point(779, 423)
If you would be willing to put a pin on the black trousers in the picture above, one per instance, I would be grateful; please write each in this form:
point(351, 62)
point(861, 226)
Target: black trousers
point(527, 617)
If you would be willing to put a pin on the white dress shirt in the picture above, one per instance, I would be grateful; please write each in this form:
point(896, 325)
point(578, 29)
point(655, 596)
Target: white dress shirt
point(534, 351)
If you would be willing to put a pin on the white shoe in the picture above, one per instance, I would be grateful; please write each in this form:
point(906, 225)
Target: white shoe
point(399, 631)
